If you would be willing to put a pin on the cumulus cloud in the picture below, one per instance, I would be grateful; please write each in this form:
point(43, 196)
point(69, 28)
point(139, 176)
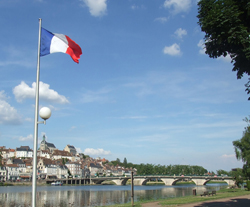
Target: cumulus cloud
point(161, 19)
point(173, 50)
point(96, 152)
point(8, 114)
point(96, 7)
point(29, 138)
point(180, 33)
point(23, 91)
point(78, 149)
point(178, 5)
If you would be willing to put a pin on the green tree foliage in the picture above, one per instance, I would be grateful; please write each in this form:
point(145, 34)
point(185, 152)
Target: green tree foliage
point(125, 162)
point(223, 172)
point(238, 176)
point(150, 169)
point(242, 149)
point(226, 24)
point(64, 160)
point(83, 155)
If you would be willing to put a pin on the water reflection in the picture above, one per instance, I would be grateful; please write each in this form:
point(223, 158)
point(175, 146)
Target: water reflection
point(93, 195)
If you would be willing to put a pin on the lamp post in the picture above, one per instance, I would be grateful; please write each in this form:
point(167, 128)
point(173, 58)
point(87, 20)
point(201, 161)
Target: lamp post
point(45, 114)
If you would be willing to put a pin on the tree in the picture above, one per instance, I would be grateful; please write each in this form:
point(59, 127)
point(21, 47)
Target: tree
point(242, 149)
point(238, 176)
point(118, 160)
point(222, 172)
point(226, 24)
point(125, 162)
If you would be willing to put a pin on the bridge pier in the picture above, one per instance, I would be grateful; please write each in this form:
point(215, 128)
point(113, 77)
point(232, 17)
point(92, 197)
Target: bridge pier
point(169, 181)
point(200, 181)
point(230, 182)
point(121, 181)
point(140, 181)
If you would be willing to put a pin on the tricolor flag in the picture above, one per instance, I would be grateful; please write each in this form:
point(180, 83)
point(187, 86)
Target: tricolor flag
point(52, 42)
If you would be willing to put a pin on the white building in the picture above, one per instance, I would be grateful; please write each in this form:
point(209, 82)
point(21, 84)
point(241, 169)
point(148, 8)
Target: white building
point(44, 153)
point(12, 171)
point(51, 171)
point(24, 151)
point(3, 174)
point(59, 154)
point(74, 168)
point(62, 172)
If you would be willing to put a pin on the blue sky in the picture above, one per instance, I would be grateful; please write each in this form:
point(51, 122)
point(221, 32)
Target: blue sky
point(144, 88)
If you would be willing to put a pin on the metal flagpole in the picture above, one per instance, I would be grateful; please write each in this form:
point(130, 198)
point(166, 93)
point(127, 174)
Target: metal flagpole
point(34, 176)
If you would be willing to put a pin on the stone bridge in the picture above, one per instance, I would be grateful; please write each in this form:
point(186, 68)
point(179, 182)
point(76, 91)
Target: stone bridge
point(168, 180)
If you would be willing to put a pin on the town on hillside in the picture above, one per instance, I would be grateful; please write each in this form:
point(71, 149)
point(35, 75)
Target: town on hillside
point(17, 164)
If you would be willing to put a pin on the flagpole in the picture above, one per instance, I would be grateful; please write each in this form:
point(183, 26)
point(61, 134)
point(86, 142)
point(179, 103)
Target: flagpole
point(34, 176)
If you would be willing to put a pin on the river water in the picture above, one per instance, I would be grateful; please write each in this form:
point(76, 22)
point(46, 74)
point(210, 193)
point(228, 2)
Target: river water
point(93, 195)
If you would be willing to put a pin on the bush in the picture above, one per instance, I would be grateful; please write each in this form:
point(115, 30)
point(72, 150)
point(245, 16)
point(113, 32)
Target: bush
point(248, 185)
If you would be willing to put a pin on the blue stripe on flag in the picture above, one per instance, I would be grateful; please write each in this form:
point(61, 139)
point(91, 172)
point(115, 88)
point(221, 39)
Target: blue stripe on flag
point(46, 37)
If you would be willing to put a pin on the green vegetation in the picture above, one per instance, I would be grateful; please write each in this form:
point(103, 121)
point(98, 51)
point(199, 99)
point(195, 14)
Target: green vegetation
point(5, 184)
point(224, 193)
point(226, 24)
point(248, 185)
point(150, 169)
point(242, 151)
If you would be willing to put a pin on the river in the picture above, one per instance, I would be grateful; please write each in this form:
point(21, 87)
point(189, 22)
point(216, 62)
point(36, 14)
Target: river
point(93, 195)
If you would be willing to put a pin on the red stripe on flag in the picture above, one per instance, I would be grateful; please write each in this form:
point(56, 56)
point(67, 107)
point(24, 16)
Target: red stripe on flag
point(73, 50)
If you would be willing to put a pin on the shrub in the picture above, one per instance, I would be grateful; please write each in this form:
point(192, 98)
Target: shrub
point(248, 185)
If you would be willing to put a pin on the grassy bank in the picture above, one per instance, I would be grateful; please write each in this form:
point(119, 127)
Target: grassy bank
point(21, 184)
point(224, 193)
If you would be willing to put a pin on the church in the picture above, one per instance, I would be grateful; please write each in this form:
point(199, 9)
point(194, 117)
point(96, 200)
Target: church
point(47, 146)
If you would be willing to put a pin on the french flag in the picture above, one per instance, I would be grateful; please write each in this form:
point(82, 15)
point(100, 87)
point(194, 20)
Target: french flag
point(52, 42)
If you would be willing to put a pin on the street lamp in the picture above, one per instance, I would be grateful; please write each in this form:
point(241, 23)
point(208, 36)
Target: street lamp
point(45, 114)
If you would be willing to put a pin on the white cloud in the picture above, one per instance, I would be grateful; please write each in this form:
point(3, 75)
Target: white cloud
point(173, 50)
point(227, 59)
point(96, 96)
point(180, 33)
point(178, 5)
point(8, 114)
point(72, 128)
point(201, 45)
point(96, 7)
point(228, 156)
point(18, 56)
point(96, 152)
point(134, 7)
point(78, 149)
point(161, 19)
point(23, 91)
point(29, 138)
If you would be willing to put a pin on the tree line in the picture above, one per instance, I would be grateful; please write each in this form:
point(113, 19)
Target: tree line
point(151, 169)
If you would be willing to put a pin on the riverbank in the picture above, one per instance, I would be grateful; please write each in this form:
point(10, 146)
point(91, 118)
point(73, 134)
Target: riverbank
point(224, 195)
point(20, 183)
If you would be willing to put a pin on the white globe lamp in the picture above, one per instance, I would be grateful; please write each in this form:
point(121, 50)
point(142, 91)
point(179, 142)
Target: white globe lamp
point(45, 113)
